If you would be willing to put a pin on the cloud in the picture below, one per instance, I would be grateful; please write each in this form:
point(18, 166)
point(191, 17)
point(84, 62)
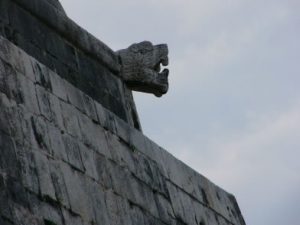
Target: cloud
point(259, 163)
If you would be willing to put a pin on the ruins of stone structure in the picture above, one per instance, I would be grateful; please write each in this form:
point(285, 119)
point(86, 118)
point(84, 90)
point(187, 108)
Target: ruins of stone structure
point(72, 150)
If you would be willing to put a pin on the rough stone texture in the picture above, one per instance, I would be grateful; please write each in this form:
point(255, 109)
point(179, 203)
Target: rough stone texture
point(141, 67)
point(69, 157)
point(74, 54)
point(63, 162)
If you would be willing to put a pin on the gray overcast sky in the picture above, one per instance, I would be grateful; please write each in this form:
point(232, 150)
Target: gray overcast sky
point(233, 109)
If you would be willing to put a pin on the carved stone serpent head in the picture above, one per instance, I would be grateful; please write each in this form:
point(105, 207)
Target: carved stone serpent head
point(141, 67)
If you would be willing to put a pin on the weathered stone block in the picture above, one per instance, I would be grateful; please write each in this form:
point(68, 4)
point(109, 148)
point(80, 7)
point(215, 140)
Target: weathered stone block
point(56, 112)
point(164, 207)
point(134, 190)
point(72, 147)
point(59, 183)
point(8, 81)
point(9, 118)
point(40, 139)
point(70, 120)
point(89, 162)
point(58, 85)
point(118, 209)
point(104, 118)
point(70, 218)
point(89, 107)
point(104, 170)
point(29, 177)
point(78, 196)
point(182, 205)
point(26, 94)
point(96, 203)
point(75, 97)
point(57, 144)
point(93, 135)
point(44, 177)
point(48, 213)
point(9, 164)
point(44, 102)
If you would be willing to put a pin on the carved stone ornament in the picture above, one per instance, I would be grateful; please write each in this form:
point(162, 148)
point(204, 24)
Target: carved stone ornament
point(141, 67)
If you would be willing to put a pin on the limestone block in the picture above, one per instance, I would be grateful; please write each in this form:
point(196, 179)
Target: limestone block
point(139, 216)
point(9, 117)
point(27, 124)
point(104, 170)
point(118, 209)
point(8, 80)
point(120, 152)
point(89, 107)
point(148, 171)
point(70, 119)
point(96, 202)
point(59, 183)
point(122, 129)
point(182, 205)
point(137, 140)
point(93, 135)
point(70, 218)
point(134, 190)
point(42, 75)
point(79, 198)
point(44, 102)
point(165, 210)
point(57, 144)
point(89, 162)
point(48, 213)
point(72, 147)
point(26, 94)
point(105, 118)
point(9, 165)
point(183, 176)
point(58, 85)
point(22, 215)
point(44, 177)
point(29, 178)
point(17, 58)
point(56, 112)
point(40, 138)
point(75, 97)
point(201, 212)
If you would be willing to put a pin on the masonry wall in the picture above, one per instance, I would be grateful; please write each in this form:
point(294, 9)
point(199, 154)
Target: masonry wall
point(70, 151)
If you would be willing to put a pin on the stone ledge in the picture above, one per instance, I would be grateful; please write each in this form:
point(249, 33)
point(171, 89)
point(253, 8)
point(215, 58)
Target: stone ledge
point(72, 32)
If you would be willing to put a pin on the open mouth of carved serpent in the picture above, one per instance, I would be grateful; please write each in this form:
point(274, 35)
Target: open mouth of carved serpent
point(162, 76)
point(164, 62)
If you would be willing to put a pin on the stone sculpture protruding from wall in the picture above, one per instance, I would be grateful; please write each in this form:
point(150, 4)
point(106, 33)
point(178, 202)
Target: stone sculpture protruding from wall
point(141, 67)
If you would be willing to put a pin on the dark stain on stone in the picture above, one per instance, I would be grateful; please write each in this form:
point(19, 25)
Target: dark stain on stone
point(38, 136)
point(202, 222)
point(49, 222)
point(204, 196)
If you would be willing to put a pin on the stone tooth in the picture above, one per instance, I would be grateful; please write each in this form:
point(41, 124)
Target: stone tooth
point(165, 61)
point(157, 68)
